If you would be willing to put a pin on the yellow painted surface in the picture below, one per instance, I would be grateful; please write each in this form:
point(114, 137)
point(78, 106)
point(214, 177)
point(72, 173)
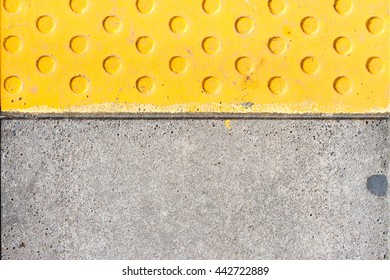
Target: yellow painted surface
point(174, 56)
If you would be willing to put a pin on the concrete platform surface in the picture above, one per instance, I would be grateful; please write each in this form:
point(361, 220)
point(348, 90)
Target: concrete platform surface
point(193, 189)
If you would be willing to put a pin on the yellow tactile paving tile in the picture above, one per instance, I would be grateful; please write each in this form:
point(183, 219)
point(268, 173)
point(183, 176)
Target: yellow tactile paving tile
point(185, 56)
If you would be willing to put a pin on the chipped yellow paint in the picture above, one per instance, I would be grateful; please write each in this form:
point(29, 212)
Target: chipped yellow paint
point(202, 56)
point(228, 124)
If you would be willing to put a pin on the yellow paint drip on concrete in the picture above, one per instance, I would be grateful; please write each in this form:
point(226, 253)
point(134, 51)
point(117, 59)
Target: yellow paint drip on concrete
point(203, 56)
point(228, 124)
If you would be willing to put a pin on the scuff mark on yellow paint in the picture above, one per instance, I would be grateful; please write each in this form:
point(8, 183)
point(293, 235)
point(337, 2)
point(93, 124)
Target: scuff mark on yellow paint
point(228, 124)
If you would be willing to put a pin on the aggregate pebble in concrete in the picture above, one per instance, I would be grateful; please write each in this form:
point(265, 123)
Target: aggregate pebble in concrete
point(377, 185)
point(193, 189)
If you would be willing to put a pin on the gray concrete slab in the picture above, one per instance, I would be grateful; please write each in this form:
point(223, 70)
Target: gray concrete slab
point(192, 189)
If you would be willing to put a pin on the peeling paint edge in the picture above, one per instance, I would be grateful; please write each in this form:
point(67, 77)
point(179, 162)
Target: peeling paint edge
point(302, 110)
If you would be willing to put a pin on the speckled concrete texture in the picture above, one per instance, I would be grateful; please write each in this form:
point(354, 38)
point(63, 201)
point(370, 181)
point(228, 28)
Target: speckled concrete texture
point(193, 189)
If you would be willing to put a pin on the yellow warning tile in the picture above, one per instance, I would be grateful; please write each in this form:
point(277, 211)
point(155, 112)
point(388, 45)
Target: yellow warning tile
point(173, 56)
